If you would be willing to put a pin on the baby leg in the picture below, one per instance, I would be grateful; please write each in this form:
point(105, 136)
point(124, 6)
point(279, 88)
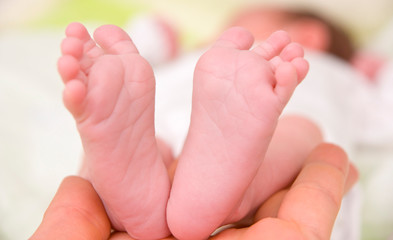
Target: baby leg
point(238, 97)
point(110, 91)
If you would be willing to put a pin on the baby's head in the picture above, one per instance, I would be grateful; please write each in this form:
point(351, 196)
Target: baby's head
point(310, 30)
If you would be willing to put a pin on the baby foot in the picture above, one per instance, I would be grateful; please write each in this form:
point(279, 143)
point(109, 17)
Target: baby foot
point(238, 97)
point(110, 91)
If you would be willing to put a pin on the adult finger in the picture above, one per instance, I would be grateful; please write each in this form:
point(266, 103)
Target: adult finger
point(76, 212)
point(352, 178)
point(125, 236)
point(315, 197)
point(271, 206)
point(120, 236)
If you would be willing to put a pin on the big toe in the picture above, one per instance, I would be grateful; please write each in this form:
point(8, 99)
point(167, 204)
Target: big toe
point(236, 37)
point(114, 40)
point(77, 30)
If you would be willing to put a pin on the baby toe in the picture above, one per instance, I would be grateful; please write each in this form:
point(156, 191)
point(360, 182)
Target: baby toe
point(292, 51)
point(77, 30)
point(72, 46)
point(301, 65)
point(286, 81)
point(114, 40)
point(236, 37)
point(73, 96)
point(273, 46)
point(68, 67)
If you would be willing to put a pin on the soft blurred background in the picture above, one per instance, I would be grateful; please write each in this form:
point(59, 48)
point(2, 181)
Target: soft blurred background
point(39, 144)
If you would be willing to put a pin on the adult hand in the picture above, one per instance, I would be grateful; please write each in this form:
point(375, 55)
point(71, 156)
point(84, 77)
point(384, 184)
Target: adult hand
point(76, 212)
point(307, 210)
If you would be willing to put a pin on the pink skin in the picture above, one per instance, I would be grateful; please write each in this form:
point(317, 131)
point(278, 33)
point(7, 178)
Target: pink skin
point(368, 63)
point(110, 91)
point(238, 96)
